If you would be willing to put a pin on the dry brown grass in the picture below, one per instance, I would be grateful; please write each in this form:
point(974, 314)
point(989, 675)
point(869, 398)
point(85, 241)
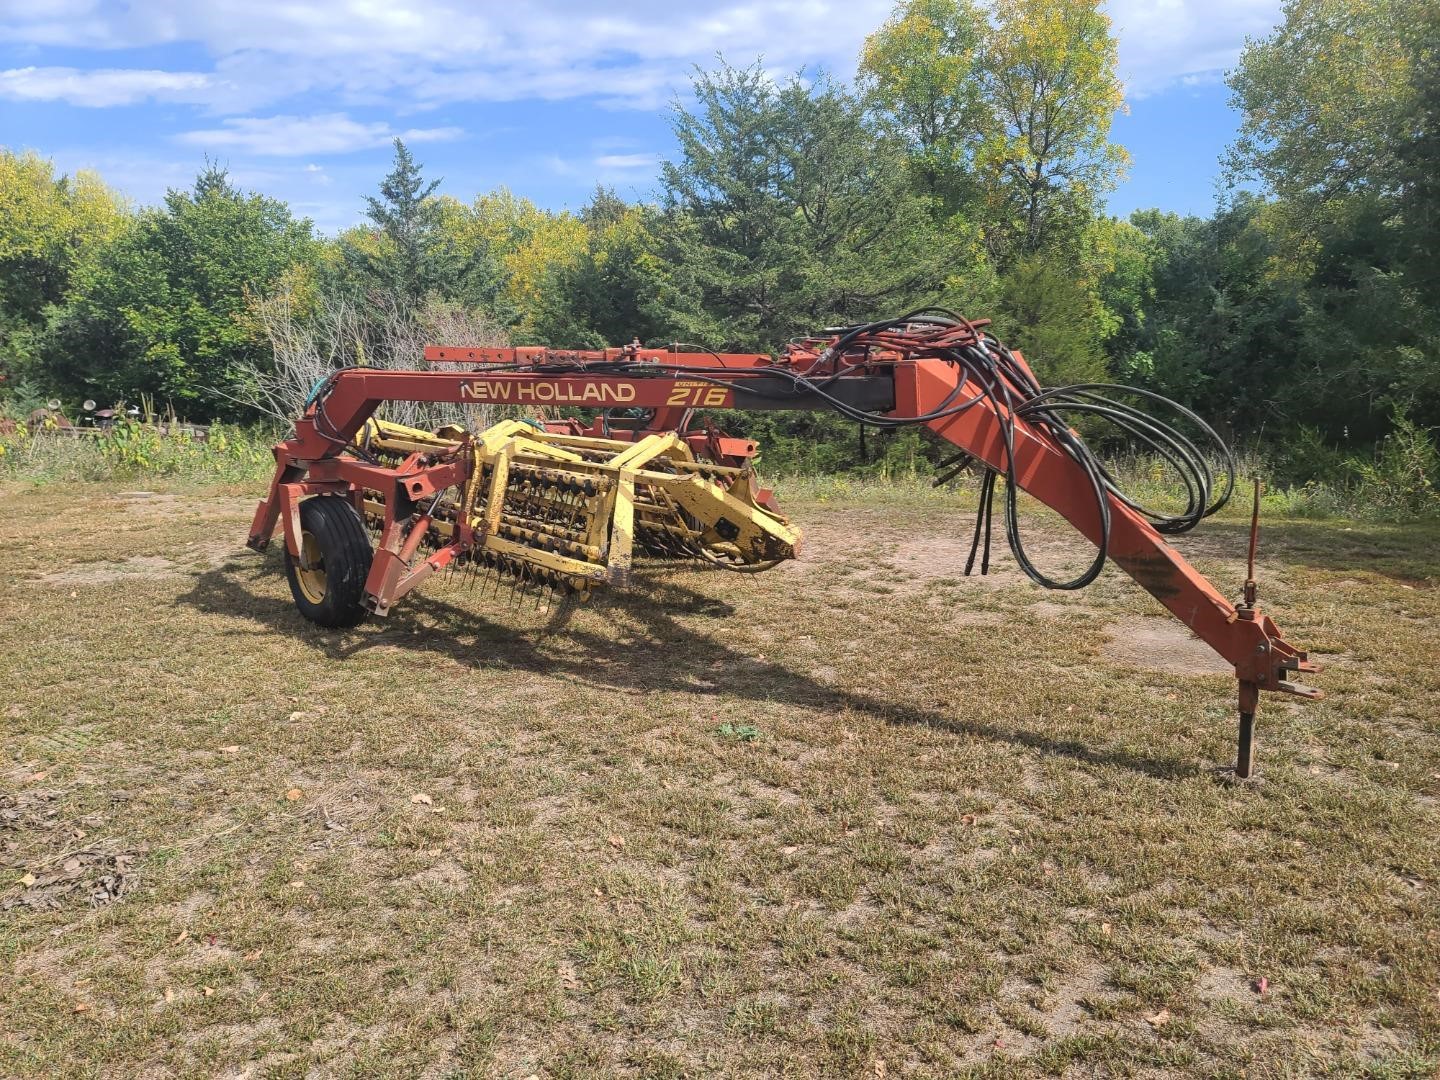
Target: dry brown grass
point(972, 835)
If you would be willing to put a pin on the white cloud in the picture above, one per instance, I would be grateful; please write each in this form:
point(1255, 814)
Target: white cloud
point(1186, 42)
point(418, 54)
point(103, 87)
point(285, 136)
point(627, 161)
point(427, 52)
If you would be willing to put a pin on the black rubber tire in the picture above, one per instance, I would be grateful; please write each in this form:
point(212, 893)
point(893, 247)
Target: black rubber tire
point(344, 549)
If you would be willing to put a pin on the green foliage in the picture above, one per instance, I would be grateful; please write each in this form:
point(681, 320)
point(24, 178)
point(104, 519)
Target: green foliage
point(1005, 113)
point(1046, 314)
point(412, 258)
point(785, 213)
point(135, 451)
point(602, 296)
point(738, 732)
point(1341, 108)
point(159, 311)
point(1403, 480)
point(49, 226)
point(919, 71)
point(968, 167)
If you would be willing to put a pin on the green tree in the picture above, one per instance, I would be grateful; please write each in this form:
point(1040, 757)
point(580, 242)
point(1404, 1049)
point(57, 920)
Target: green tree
point(920, 73)
point(783, 213)
point(161, 310)
point(49, 226)
point(416, 247)
point(602, 296)
point(414, 258)
point(1046, 158)
point(1218, 329)
point(1339, 110)
point(1006, 112)
point(1046, 314)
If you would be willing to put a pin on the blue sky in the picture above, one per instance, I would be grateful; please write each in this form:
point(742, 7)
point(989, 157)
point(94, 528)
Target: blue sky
point(300, 99)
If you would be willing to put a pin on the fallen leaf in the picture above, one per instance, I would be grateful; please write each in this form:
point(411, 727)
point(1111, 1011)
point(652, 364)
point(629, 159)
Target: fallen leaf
point(207, 990)
point(1160, 1019)
point(169, 994)
point(39, 776)
point(1105, 928)
point(296, 716)
point(617, 842)
point(297, 884)
point(293, 794)
point(229, 749)
point(967, 819)
point(1261, 985)
point(422, 799)
point(81, 1006)
point(568, 978)
point(27, 880)
point(1000, 1044)
point(183, 935)
point(253, 955)
point(880, 1068)
point(82, 982)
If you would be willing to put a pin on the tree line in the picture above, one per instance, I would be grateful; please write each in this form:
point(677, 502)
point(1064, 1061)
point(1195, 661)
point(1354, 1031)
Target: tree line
point(965, 164)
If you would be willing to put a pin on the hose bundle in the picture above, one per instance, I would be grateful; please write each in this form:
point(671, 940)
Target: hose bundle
point(1007, 387)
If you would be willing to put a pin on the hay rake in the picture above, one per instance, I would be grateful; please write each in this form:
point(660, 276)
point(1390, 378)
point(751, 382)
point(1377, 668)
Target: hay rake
point(371, 509)
point(565, 513)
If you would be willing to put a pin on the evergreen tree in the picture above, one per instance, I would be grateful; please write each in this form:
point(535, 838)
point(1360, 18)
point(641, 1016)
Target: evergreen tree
point(784, 213)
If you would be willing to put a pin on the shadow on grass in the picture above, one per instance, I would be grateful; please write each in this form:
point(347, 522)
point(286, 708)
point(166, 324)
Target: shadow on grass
point(657, 653)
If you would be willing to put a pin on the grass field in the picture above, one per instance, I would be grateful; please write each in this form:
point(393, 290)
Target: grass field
point(859, 816)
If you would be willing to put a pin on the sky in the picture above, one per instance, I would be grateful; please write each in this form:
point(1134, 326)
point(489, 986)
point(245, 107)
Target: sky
point(300, 99)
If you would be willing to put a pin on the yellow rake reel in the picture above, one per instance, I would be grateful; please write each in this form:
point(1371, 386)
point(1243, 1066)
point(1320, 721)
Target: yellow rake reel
point(571, 513)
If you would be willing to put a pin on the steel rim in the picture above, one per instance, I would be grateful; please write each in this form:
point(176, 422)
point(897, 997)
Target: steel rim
point(311, 569)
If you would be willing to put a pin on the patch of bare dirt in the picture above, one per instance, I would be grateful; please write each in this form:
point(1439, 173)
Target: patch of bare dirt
point(1154, 644)
point(147, 503)
point(1065, 1011)
point(107, 573)
point(211, 555)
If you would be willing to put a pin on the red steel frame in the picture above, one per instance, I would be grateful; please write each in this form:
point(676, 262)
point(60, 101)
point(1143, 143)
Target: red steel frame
point(314, 462)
